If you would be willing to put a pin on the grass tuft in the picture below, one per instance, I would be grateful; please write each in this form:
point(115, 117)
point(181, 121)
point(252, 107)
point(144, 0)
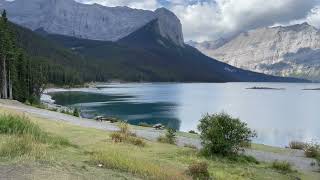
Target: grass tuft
point(126, 136)
point(282, 166)
point(199, 170)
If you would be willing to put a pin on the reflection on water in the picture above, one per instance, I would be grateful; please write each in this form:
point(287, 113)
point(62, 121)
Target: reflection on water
point(277, 116)
point(93, 104)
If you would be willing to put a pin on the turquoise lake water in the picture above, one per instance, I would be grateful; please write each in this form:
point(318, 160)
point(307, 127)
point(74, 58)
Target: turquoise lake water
point(278, 116)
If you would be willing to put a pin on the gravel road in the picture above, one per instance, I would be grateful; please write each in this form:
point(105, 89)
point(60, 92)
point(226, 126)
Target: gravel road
point(296, 158)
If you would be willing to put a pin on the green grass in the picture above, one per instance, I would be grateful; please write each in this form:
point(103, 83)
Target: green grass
point(22, 126)
point(123, 160)
point(282, 166)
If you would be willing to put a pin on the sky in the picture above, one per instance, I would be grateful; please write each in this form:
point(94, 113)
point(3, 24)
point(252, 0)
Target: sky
point(205, 20)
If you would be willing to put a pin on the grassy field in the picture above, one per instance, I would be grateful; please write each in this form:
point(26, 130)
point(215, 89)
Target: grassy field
point(79, 151)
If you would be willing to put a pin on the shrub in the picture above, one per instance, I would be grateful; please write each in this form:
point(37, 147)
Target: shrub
point(312, 150)
point(136, 141)
point(199, 171)
point(124, 128)
point(193, 132)
point(125, 135)
point(222, 134)
point(282, 166)
point(117, 137)
point(297, 145)
point(76, 112)
point(170, 137)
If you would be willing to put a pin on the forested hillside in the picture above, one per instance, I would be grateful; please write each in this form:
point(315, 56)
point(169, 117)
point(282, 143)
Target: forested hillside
point(20, 78)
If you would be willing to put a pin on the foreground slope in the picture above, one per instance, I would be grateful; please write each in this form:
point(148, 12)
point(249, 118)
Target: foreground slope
point(154, 161)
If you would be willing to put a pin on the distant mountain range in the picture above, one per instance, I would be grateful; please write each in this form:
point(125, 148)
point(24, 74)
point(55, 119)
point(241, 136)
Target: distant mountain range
point(282, 51)
point(95, 43)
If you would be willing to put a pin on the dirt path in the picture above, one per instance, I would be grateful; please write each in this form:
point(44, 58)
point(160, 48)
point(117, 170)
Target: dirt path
point(296, 158)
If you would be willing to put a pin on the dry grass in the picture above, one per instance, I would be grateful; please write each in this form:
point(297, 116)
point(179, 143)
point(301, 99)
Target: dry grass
point(127, 162)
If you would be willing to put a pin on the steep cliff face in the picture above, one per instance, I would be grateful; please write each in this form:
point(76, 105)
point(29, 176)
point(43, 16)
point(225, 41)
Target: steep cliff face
point(285, 51)
point(170, 26)
point(96, 22)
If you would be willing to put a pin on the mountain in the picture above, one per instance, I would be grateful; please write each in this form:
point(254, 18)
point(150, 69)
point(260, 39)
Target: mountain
point(95, 22)
point(282, 51)
point(77, 45)
point(145, 55)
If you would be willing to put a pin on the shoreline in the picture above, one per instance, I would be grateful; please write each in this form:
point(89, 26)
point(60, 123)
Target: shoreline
point(261, 152)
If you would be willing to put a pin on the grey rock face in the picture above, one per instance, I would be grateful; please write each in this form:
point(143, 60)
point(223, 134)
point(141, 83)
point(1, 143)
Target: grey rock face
point(170, 26)
point(96, 22)
point(284, 51)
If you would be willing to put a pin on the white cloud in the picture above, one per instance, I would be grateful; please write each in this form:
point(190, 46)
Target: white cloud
point(213, 19)
point(210, 19)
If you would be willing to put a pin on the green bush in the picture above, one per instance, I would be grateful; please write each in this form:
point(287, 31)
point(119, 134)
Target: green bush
point(282, 166)
point(312, 150)
point(222, 134)
point(170, 137)
point(193, 132)
point(297, 145)
point(199, 171)
point(76, 112)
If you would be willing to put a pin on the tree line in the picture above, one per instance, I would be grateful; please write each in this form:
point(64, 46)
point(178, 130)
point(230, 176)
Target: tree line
point(20, 79)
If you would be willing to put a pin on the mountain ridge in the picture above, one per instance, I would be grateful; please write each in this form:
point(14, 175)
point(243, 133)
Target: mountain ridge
point(281, 51)
point(95, 22)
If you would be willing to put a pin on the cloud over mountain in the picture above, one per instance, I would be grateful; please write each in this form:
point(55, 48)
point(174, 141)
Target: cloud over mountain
point(210, 19)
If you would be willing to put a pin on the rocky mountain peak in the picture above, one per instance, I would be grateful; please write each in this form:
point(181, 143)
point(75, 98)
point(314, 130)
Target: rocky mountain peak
point(283, 50)
point(170, 26)
point(95, 22)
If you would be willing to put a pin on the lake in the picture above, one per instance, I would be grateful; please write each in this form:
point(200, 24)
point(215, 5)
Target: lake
point(278, 116)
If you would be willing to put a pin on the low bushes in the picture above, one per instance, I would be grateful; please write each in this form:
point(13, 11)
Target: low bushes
point(297, 145)
point(169, 137)
point(199, 170)
point(312, 150)
point(222, 134)
point(282, 166)
point(193, 132)
point(125, 135)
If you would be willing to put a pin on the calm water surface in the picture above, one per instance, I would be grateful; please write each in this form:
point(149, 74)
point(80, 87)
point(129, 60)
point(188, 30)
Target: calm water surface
point(278, 116)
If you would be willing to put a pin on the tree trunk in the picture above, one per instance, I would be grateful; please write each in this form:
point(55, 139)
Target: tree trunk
point(10, 85)
point(4, 79)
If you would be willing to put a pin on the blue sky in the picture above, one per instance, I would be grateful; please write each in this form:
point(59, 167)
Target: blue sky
point(211, 19)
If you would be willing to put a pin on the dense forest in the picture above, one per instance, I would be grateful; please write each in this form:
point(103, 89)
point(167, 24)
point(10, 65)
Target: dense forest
point(19, 78)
